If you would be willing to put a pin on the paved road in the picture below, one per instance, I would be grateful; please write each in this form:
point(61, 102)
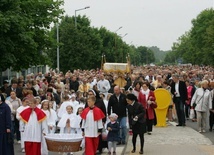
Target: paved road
point(208, 134)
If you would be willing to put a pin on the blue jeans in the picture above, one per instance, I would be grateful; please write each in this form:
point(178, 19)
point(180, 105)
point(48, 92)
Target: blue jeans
point(123, 129)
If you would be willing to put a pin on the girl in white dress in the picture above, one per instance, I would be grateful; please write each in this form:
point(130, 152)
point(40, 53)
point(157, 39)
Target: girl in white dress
point(79, 130)
point(51, 122)
point(69, 122)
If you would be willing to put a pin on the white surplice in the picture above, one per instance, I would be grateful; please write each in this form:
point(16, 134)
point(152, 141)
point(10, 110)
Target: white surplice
point(90, 126)
point(34, 129)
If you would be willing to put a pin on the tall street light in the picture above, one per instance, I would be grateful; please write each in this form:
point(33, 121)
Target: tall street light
point(57, 38)
point(116, 35)
point(87, 7)
point(124, 48)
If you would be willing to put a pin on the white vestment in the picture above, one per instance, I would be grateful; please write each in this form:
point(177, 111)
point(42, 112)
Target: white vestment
point(90, 126)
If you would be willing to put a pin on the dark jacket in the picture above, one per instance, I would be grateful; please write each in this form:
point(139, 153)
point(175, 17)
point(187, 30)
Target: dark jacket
point(138, 110)
point(118, 107)
point(18, 92)
point(113, 134)
point(182, 91)
point(5, 117)
point(74, 85)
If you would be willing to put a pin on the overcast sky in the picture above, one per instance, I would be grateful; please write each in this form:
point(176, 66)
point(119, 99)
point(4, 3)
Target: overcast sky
point(147, 22)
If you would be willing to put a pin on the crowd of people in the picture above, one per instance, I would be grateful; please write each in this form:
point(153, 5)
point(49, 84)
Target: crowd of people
point(66, 103)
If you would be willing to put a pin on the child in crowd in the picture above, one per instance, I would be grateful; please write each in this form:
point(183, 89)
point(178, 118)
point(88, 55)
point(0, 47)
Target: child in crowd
point(51, 116)
point(79, 131)
point(21, 123)
point(92, 126)
point(38, 101)
point(113, 129)
point(35, 127)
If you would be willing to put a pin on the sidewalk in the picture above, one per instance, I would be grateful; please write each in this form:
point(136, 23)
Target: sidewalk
point(173, 140)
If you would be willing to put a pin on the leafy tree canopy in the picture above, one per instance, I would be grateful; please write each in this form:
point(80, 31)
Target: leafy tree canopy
point(24, 30)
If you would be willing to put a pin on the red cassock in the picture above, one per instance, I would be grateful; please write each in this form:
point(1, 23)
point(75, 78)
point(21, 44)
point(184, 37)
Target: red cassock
point(91, 143)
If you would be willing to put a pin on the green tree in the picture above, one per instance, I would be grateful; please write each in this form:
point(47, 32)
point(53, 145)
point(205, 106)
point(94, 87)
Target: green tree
point(24, 26)
point(79, 46)
point(82, 47)
point(196, 46)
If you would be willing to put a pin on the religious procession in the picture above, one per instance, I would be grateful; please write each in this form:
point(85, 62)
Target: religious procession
point(94, 111)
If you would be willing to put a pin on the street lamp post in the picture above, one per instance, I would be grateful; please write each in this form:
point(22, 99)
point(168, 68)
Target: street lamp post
point(115, 36)
point(124, 48)
point(87, 7)
point(57, 38)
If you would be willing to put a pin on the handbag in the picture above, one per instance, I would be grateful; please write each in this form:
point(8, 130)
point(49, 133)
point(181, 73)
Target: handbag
point(104, 134)
point(192, 114)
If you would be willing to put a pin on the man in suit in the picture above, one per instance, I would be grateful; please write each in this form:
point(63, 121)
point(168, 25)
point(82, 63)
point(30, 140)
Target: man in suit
point(117, 104)
point(13, 87)
point(179, 91)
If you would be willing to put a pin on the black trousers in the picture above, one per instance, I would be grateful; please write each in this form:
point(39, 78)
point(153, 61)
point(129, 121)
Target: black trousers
point(211, 120)
point(134, 138)
point(149, 125)
point(179, 105)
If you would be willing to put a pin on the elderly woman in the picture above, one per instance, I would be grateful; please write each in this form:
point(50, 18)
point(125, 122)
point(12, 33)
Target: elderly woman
point(136, 113)
point(203, 101)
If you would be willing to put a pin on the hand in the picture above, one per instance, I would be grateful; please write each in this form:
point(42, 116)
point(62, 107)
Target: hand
point(8, 130)
point(109, 129)
point(51, 127)
point(44, 134)
point(149, 102)
point(212, 110)
point(83, 133)
point(104, 88)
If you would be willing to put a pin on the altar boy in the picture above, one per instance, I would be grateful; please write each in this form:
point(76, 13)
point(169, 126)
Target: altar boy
point(35, 126)
point(91, 126)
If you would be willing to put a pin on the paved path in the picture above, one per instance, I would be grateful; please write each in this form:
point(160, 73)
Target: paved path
point(164, 141)
point(174, 140)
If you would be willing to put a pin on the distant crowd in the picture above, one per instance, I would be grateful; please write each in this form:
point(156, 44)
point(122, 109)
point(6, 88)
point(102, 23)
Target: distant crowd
point(59, 95)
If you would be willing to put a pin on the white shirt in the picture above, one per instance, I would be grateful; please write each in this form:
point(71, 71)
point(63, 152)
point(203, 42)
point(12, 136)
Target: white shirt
point(177, 89)
point(103, 86)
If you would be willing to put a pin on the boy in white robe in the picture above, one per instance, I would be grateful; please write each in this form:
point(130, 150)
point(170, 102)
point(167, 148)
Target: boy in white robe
point(21, 123)
point(92, 126)
point(35, 127)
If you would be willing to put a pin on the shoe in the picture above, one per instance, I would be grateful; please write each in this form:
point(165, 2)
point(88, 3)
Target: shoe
point(149, 133)
point(23, 150)
point(133, 151)
point(19, 141)
point(203, 131)
point(141, 152)
point(118, 143)
point(178, 125)
point(123, 143)
point(114, 153)
point(199, 131)
point(109, 152)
